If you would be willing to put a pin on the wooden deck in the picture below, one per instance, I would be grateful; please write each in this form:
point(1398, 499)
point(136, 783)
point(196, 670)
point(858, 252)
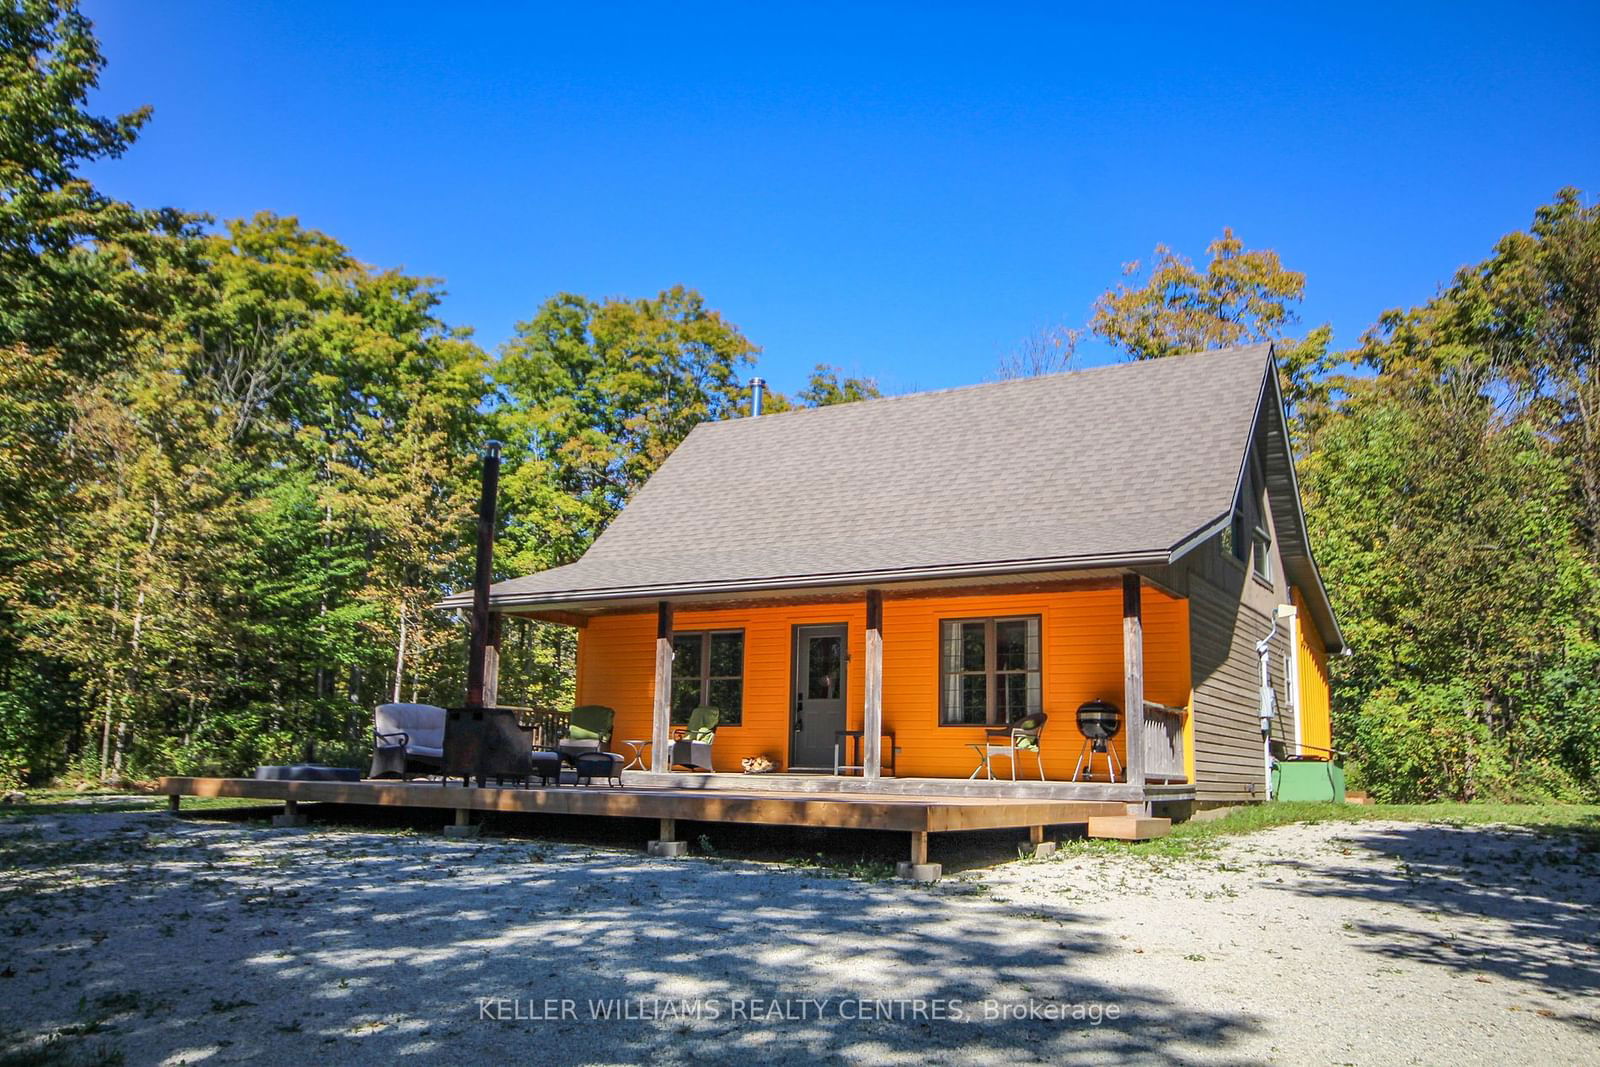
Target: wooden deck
point(918, 814)
point(852, 810)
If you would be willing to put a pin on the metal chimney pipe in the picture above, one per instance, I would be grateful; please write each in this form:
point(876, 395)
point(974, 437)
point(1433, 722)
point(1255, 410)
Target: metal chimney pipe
point(483, 574)
point(758, 387)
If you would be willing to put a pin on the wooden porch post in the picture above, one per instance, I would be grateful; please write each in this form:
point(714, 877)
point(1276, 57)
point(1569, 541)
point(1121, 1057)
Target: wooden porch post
point(491, 663)
point(872, 717)
point(661, 724)
point(1133, 677)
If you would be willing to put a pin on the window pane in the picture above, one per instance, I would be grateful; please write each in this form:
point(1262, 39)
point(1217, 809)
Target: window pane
point(974, 698)
point(727, 696)
point(727, 655)
point(1237, 544)
point(1016, 645)
point(972, 646)
point(686, 655)
point(824, 658)
point(1262, 560)
point(950, 699)
point(1012, 690)
point(685, 698)
point(950, 637)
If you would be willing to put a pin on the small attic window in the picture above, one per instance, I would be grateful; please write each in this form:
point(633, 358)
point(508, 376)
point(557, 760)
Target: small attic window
point(1234, 542)
point(1261, 555)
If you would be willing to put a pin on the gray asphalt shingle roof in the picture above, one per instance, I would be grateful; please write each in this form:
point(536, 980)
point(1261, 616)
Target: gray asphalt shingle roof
point(1116, 464)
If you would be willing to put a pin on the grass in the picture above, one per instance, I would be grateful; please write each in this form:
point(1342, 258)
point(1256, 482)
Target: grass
point(1199, 837)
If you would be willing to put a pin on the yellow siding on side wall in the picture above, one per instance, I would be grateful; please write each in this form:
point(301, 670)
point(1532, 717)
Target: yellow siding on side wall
point(1316, 729)
point(1081, 635)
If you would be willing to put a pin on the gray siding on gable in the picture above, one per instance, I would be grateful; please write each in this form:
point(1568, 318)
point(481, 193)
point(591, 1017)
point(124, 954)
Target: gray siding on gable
point(1229, 611)
point(1228, 757)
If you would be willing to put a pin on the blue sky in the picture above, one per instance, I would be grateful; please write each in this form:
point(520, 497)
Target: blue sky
point(905, 191)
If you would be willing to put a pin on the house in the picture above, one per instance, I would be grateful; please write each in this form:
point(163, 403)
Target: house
point(924, 568)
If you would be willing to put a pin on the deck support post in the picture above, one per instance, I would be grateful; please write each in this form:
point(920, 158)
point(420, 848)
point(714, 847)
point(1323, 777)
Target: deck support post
point(661, 718)
point(918, 869)
point(666, 845)
point(1038, 845)
point(462, 827)
point(291, 815)
point(1133, 678)
point(872, 716)
point(172, 804)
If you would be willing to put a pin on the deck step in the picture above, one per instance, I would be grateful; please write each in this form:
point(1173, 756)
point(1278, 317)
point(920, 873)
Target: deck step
point(1129, 827)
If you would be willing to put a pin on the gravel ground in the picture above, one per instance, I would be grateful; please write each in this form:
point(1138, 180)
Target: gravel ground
point(163, 940)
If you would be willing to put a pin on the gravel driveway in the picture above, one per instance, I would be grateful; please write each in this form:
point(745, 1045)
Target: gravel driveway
point(188, 941)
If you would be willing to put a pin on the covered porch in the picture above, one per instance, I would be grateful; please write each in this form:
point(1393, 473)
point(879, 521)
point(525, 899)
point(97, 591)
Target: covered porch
point(895, 689)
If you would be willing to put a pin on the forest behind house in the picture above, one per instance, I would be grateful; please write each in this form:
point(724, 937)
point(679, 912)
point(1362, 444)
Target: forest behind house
point(238, 467)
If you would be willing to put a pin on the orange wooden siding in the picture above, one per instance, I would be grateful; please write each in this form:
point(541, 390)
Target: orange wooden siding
point(1081, 643)
point(1316, 712)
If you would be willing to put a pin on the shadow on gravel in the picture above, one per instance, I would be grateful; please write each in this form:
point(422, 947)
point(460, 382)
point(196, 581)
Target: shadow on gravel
point(1537, 892)
point(312, 946)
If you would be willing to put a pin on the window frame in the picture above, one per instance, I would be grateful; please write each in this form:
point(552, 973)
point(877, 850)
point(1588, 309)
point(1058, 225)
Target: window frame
point(991, 672)
point(705, 677)
point(1234, 544)
point(1261, 556)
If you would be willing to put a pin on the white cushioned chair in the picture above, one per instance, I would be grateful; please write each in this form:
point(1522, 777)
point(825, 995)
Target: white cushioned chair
point(407, 739)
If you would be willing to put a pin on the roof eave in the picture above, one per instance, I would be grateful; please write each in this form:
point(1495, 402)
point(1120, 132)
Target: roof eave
point(790, 583)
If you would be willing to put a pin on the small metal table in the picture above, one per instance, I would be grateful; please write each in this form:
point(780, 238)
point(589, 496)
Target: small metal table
point(637, 758)
point(859, 764)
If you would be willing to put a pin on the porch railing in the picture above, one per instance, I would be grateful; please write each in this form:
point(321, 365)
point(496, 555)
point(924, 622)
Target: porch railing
point(548, 726)
point(1163, 743)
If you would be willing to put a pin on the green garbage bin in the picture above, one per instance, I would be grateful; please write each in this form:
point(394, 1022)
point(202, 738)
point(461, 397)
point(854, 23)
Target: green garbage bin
point(1308, 780)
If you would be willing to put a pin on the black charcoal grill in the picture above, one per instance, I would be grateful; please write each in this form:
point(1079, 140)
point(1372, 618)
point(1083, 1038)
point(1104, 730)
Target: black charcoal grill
point(1098, 721)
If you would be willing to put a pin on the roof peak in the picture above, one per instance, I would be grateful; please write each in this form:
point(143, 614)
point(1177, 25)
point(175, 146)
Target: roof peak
point(1104, 369)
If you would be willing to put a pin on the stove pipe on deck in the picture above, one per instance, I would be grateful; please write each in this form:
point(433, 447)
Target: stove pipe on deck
point(483, 575)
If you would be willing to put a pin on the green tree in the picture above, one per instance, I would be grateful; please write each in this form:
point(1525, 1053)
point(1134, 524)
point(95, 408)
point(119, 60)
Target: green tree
point(595, 396)
point(1447, 539)
point(1242, 295)
point(81, 278)
point(828, 385)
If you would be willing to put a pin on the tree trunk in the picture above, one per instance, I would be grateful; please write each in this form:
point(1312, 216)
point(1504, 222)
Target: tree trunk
point(400, 655)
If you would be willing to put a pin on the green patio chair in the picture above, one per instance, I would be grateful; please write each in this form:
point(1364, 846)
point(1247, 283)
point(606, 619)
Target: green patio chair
point(691, 744)
point(588, 730)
